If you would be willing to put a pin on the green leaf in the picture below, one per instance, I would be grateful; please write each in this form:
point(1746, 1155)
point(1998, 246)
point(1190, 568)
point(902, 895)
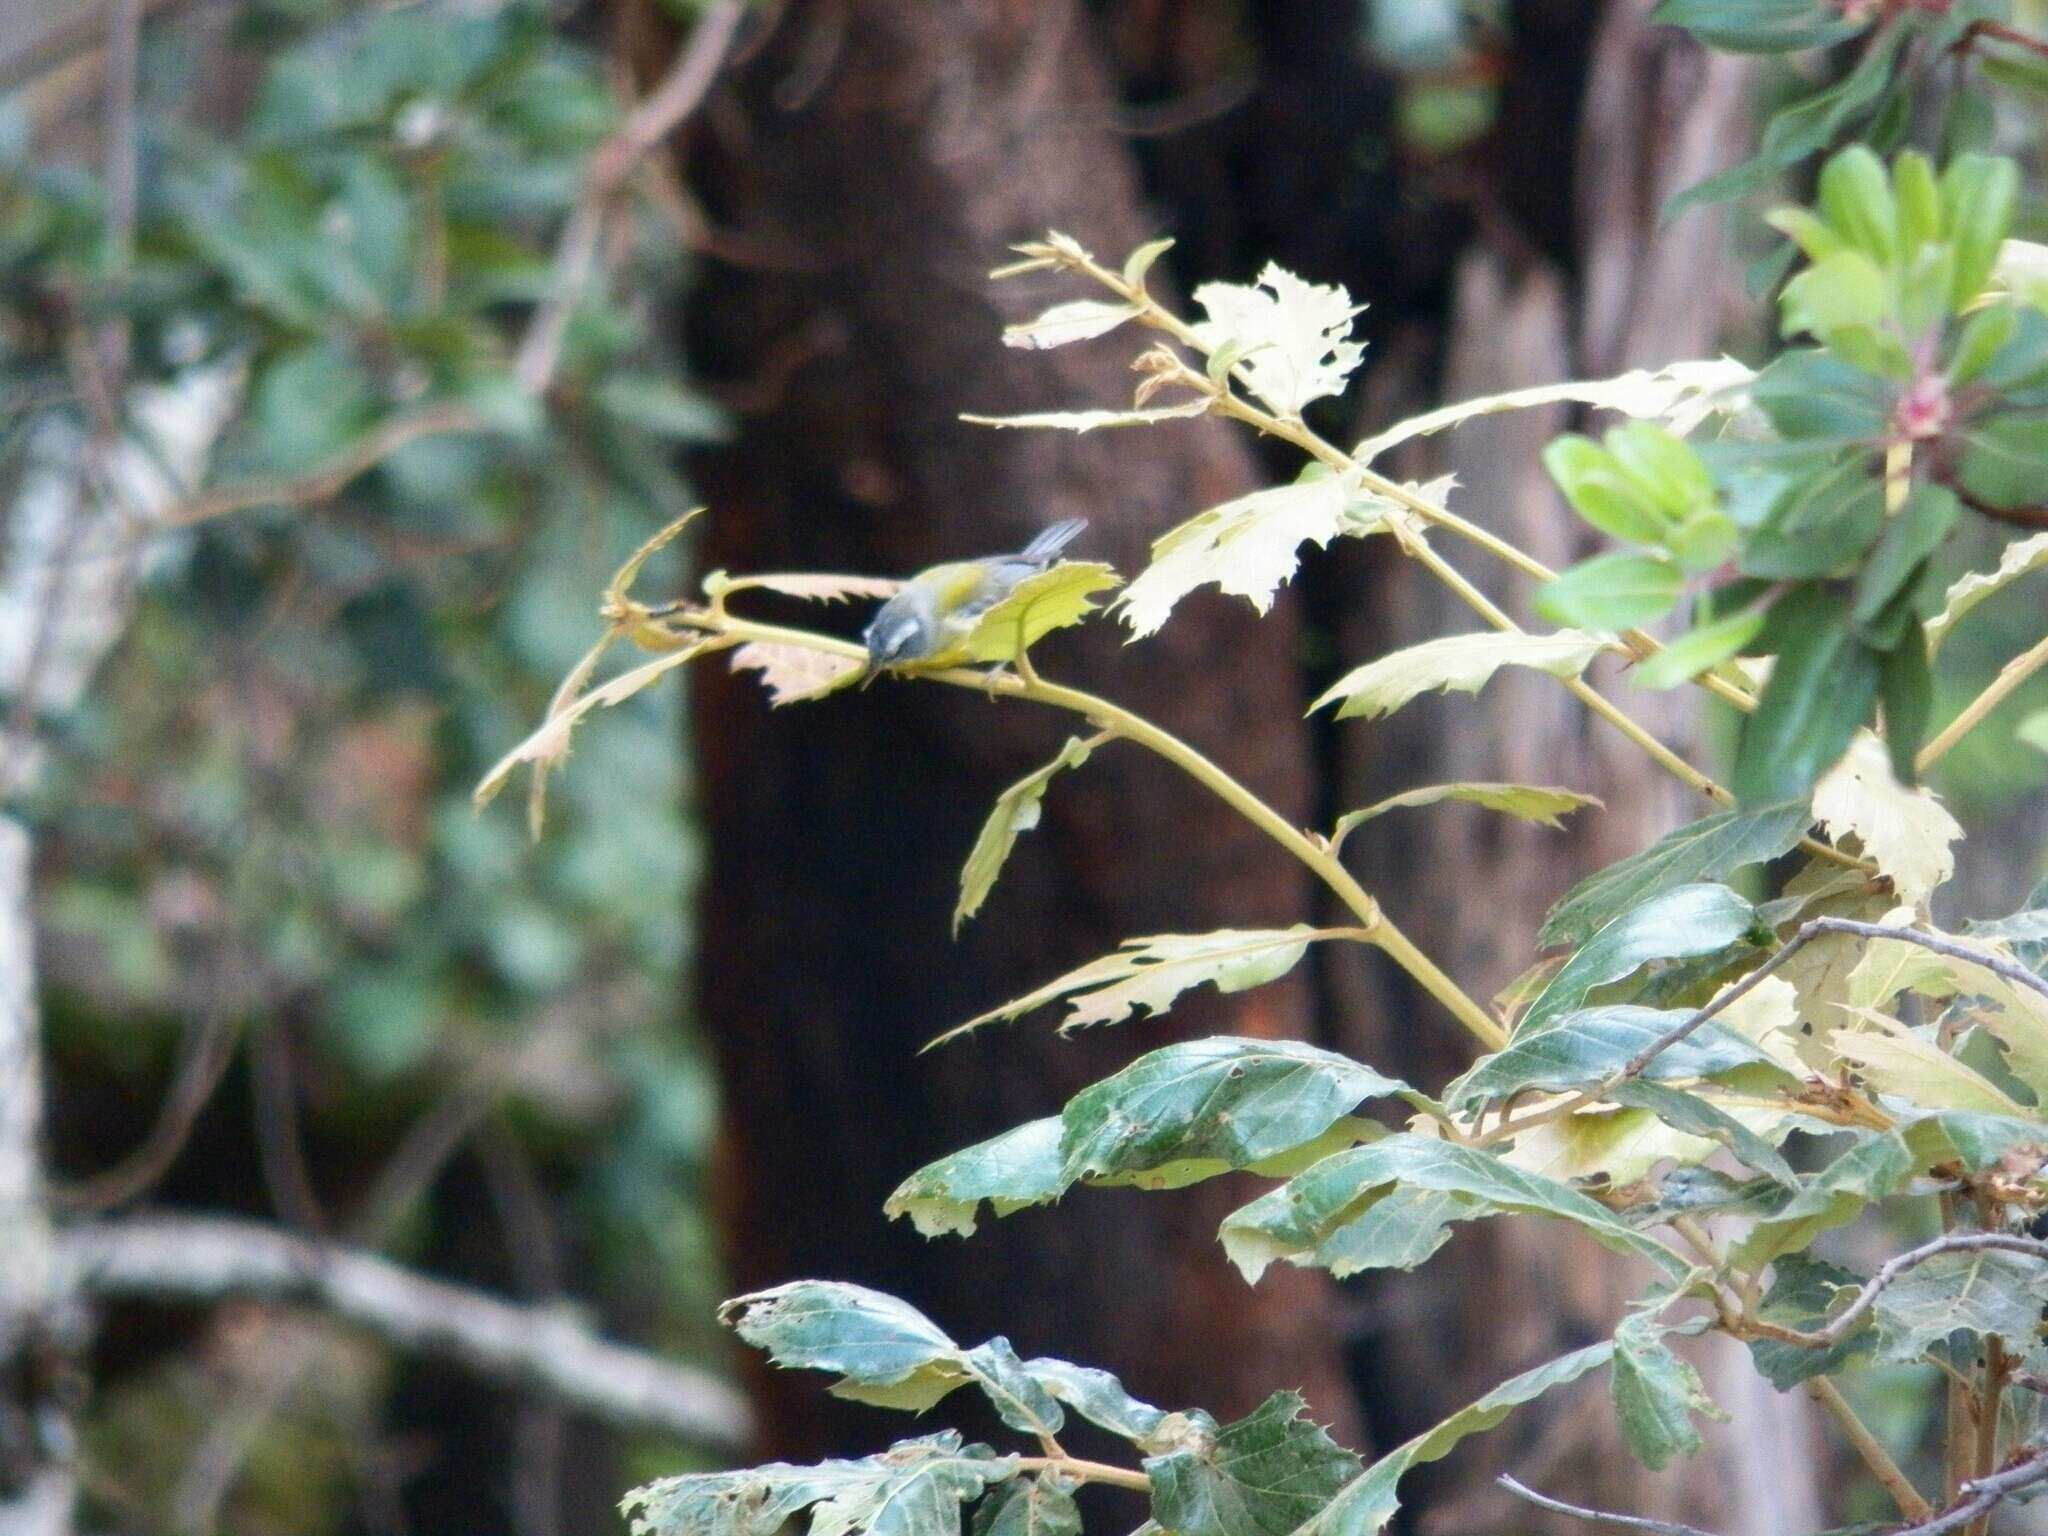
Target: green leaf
point(1982, 336)
point(1264, 1475)
point(2033, 731)
point(1905, 692)
point(1148, 975)
point(1704, 646)
point(1819, 525)
point(1674, 924)
point(1977, 197)
point(1855, 197)
point(1697, 1115)
point(655, 403)
point(1019, 1168)
point(1809, 393)
point(1461, 662)
point(1016, 810)
point(2020, 558)
point(1982, 1141)
point(915, 1488)
point(1326, 1217)
point(1869, 1171)
point(1802, 1297)
point(1369, 1501)
point(1140, 261)
point(1581, 1049)
point(1836, 293)
point(1099, 1398)
point(1987, 1292)
point(1237, 1101)
point(1760, 26)
point(1030, 1506)
point(1528, 802)
point(1655, 1395)
point(1613, 591)
point(1705, 850)
point(2005, 460)
point(1820, 691)
point(1290, 335)
point(1593, 483)
point(1246, 548)
point(1909, 537)
point(1036, 606)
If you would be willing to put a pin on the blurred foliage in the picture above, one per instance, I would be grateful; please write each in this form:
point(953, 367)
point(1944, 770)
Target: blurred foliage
point(259, 810)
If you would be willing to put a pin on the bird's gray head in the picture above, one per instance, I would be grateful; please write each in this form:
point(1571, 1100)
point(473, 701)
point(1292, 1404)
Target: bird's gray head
point(900, 631)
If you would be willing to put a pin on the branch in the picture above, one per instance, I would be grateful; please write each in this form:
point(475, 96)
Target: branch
point(1844, 1323)
point(1981, 1495)
point(204, 1259)
point(1597, 1516)
point(1879, 1460)
point(2001, 687)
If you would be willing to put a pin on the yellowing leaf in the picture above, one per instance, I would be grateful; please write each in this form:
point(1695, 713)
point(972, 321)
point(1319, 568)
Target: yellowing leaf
point(1768, 1016)
point(1907, 832)
point(813, 586)
point(623, 579)
point(1089, 421)
point(1680, 394)
point(1017, 809)
point(1622, 1145)
point(1076, 321)
point(1038, 605)
point(2021, 557)
point(1287, 335)
point(1894, 1060)
point(1245, 547)
point(792, 673)
point(2017, 1016)
point(1531, 802)
point(1461, 662)
point(1149, 974)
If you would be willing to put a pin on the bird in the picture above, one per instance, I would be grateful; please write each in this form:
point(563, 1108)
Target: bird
point(937, 608)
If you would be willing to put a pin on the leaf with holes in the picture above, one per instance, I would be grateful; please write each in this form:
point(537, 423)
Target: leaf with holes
point(1906, 832)
point(1289, 336)
point(1987, 1292)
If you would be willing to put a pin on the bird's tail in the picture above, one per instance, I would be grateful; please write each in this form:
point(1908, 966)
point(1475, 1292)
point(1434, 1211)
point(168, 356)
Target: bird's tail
point(1045, 549)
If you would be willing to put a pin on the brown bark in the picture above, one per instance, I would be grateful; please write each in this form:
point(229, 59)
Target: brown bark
point(877, 156)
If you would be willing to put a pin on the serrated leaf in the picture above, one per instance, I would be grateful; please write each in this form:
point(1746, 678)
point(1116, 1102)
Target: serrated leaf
point(1801, 1297)
point(915, 1488)
point(1019, 1168)
point(1675, 924)
point(1456, 662)
point(811, 586)
point(2016, 1016)
point(2020, 558)
point(1906, 832)
point(1030, 1506)
point(1655, 1395)
point(1869, 1171)
point(1981, 1291)
point(1150, 974)
point(1982, 1141)
point(1246, 548)
point(1314, 1219)
point(1290, 336)
point(1679, 394)
point(1053, 599)
point(1099, 1398)
point(1091, 421)
point(794, 673)
point(1078, 320)
point(1369, 1501)
point(1262, 1476)
point(1542, 804)
point(1893, 1060)
point(1237, 1101)
point(1578, 1050)
point(1705, 850)
point(1016, 810)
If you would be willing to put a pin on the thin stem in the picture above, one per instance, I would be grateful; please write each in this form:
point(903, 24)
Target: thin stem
point(1867, 1445)
point(1597, 1516)
point(1087, 1471)
point(1996, 1368)
point(1115, 718)
point(2010, 676)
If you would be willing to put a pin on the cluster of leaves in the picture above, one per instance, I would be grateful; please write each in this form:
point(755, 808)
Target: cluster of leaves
point(314, 683)
point(1748, 1036)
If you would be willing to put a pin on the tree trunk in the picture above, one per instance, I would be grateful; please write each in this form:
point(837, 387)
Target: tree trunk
point(868, 165)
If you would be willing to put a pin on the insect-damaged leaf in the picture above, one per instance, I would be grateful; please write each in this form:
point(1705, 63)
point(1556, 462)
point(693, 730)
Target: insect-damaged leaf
point(1461, 662)
point(1802, 1295)
point(1262, 1476)
point(1980, 1291)
point(1540, 803)
point(1579, 1049)
point(915, 1488)
point(1031, 1506)
point(794, 673)
point(1150, 974)
point(2021, 557)
point(1705, 850)
point(1368, 1502)
point(1383, 1205)
point(1655, 1395)
point(1287, 335)
point(1869, 1171)
point(1906, 832)
point(1016, 810)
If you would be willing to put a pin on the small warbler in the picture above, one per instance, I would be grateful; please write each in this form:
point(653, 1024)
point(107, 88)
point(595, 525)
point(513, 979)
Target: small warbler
point(937, 608)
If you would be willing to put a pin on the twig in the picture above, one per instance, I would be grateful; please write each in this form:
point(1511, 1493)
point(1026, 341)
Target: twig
point(2003, 33)
point(197, 1258)
point(1087, 1471)
point(1845, 1322)
point(2010, 676)
point(675, 97)
point(1981, 1495)
point(1596, 1516)
point(1870, 1448)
